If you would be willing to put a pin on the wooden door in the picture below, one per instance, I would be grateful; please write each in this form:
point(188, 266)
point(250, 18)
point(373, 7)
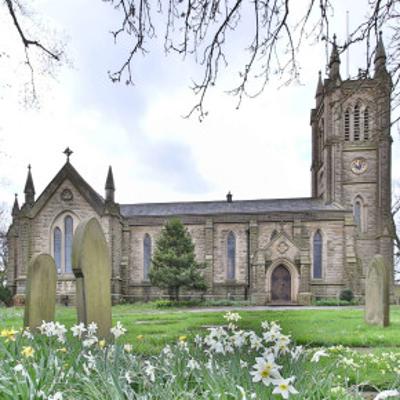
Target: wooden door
point(281, 285)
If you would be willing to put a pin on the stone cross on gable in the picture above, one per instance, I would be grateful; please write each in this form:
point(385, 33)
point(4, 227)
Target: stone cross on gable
point(68, 153)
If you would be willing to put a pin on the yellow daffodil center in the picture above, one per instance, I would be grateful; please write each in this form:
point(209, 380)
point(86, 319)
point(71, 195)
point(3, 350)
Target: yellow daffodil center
point(283, 386)
point(265, 373)
point(182, 338)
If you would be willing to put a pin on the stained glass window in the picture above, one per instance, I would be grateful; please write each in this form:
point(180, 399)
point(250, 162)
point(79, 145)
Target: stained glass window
point(146, 256)
point(68, 231)
point(317, 258)
point(57, 247)
point(231, 247)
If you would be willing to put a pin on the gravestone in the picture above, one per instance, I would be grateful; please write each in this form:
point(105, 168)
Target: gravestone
point(377, 292)
point(92, 268)
point(40, 299)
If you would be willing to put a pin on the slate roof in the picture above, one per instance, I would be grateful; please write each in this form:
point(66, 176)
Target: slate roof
point(223, 207)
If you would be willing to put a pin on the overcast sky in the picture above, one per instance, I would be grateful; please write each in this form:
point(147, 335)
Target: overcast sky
point(262, 150)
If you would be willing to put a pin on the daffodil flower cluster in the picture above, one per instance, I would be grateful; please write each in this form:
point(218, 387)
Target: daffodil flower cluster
point(225, 362)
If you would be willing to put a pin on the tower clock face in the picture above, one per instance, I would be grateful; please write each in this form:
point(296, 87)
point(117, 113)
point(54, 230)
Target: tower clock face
point(359, 165)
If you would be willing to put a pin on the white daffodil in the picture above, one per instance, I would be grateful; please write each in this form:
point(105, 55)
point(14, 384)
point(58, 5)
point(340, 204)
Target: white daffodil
point(296, 352)
point(128, 347)
point(90, 341)
point(193, 364)
point(57, 396)
point(78, 330)
point(128, 378)
point(19, 368)
point(27, 334)
point(91, 361)
point(92, 329)
point(198, 340)
point(284, 387)
point(238, 339)
point(318, 354)
point(149, 371)
point(265, 325)
point(118, 330)
point(386, 394)
point(266, 371)
point(232, 317)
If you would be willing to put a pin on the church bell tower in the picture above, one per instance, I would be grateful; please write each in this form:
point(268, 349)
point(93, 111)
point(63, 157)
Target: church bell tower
point(351, 150)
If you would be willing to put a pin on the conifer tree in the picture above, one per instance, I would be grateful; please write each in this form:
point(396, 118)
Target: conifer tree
point(174, 265)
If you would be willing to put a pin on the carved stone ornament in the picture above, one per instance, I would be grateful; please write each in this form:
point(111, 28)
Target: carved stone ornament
point(283, 247)
point(359, 165)
point(67, 195)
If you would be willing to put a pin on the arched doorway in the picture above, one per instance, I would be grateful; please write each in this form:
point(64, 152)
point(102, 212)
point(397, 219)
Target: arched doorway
point(281, 284)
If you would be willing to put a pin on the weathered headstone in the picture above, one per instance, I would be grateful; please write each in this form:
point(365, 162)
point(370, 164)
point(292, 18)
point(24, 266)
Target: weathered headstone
point(92, 268)
point(40, 299)
point(377, 292)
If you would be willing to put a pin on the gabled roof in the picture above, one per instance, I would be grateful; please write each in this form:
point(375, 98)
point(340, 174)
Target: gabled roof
point(70, 173)
point(224, 207)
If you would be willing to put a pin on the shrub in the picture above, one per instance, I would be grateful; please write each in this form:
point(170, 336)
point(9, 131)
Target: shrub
point(346, 295)
point(5, 296)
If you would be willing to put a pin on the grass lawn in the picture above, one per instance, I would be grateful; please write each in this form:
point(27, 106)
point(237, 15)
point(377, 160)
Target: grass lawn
point(311, 328)
point(307, 327)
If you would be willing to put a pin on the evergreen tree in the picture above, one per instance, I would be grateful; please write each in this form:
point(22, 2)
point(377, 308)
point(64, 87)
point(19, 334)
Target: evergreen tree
point(174, 265)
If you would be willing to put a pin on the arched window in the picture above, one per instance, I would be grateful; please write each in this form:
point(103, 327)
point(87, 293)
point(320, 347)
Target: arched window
point(317, 255)
point(357, 122)
point(231, 253)
point(68, 232)
point(57, 240)
point(357, 211)
point(366, 123)
point(146, 256)
point(274, 234)
point(347, 125)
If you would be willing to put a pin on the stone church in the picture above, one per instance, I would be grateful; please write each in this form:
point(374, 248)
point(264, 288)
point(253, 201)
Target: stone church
point(269, 251)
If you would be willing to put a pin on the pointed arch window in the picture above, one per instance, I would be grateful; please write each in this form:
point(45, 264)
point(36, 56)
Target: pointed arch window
point(357, 122)
point(357, 213)
point(274, 234)
point(146, 256)
point(62, 234)
point(68, 231)
point(366, 123)
point(317, 255)
point(57, 240)
point(231, 256)
point(347, 125)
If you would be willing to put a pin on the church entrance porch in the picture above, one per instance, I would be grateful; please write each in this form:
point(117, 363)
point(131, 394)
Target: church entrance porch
point(281, 285)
